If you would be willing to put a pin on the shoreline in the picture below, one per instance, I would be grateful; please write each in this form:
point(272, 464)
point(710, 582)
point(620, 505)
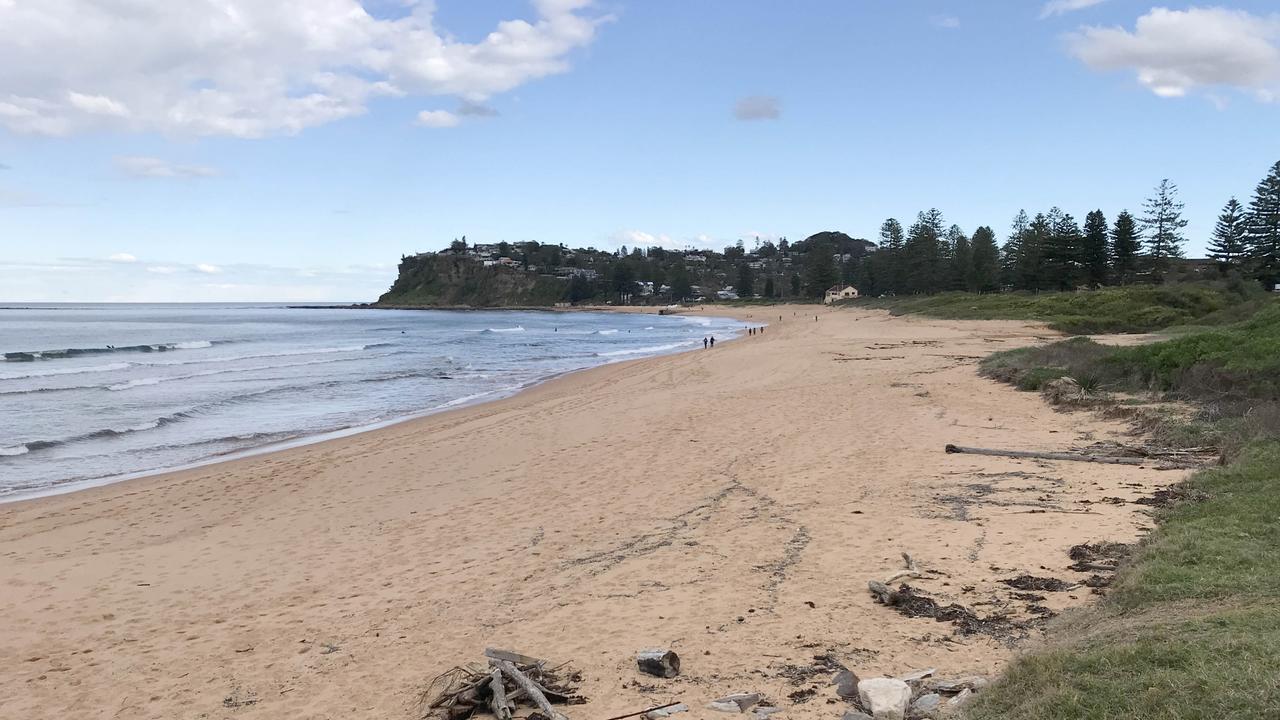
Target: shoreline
point(730, 505)
point(303, 441)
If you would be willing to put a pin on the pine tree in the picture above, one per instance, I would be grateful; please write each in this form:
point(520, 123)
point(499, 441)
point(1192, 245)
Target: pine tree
point(1094, 249)
point(1011, 254)
point(1230, 237)
point(1126, 246)
point(891, 270)
point(746, 281)
point(680, 285)
point(1031, 261)
point(1061, 252)
point(1163, 223)
point(768, 288)
point(819, 268)
point(984, 271)
point(1264, 229)
point(922, 253)
point(795, 284)
point(960, 259)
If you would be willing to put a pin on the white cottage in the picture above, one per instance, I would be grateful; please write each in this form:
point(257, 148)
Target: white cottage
point(846, 292)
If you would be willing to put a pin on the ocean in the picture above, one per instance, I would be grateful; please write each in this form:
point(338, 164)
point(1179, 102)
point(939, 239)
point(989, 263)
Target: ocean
point(94, 393)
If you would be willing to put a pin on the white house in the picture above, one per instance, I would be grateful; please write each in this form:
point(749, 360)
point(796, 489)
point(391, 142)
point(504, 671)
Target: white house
point(846, 292)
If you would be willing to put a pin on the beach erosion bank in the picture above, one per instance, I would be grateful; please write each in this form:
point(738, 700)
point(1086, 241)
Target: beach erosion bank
point(729, 504)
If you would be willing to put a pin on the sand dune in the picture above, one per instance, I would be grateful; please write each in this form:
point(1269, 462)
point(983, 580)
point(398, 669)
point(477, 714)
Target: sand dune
point(730, 504)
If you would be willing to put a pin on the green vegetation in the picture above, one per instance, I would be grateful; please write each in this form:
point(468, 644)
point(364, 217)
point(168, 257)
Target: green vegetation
point(1141, 308)
point(1189, 629)
point(1190, 626)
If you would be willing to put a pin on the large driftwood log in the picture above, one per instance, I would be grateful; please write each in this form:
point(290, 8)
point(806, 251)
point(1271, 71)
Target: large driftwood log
point(498, 699)
point(530, 688)
point(515, 657)
point(659, 663)
point(1106, 459)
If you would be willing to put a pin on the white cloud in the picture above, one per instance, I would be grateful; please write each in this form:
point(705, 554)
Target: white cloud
point(438, 119)
point(208, 269)
point(642, 239)
point(103, 280)
point(249, 68)
point(1176, 51)
point(1062, 7)
point(123, 258)
point(758, 107)
point(149, 167)
point(949, 22)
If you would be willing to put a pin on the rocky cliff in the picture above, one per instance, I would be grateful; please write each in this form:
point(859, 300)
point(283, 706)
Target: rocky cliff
point(445, 281)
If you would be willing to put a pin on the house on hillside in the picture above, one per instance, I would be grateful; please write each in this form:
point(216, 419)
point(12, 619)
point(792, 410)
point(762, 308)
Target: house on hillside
point(841, 292)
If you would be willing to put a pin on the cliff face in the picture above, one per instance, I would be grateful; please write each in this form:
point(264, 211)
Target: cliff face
point(445, 281)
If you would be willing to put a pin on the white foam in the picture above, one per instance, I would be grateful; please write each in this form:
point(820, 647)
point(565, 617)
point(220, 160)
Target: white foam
point(193, 345)
point(12, 451)
point(136, 383)
point(647, 350)
point(65, 371)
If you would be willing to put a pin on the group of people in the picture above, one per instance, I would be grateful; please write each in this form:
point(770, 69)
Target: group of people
point(710, 341)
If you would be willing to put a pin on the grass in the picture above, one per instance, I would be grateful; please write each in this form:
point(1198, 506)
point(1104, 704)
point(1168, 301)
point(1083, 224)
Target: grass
point(1135, 309)
point(1189, 631)
point(1191, 627)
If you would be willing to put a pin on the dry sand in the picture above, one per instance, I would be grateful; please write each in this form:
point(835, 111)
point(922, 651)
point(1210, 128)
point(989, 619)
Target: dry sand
point(729, 504)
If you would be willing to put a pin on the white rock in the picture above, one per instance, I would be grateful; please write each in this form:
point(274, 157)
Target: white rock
point(886, 698)
point(666, 712)
point(926, 706)
point(954, 705)
point(728, 707)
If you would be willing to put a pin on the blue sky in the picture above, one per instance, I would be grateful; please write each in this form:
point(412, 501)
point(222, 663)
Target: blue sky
point(297, 152)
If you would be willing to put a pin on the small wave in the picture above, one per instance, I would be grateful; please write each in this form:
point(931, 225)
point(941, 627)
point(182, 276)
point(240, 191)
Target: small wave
point(106, 433)
point(12, 451)
point(649, 328)
point(257, 356)
point(518, 328)
point(65, 371)
point(34, 355)
point(605, 332)
point(646, 350)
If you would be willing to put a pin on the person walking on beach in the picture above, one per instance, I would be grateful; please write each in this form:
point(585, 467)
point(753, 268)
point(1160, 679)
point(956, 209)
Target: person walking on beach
point(713, 341)
point(704, 343)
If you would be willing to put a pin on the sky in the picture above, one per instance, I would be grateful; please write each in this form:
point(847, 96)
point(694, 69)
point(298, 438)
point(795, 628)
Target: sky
point(186, 150)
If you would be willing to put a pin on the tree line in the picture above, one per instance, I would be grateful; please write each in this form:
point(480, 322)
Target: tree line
point(1053, 251)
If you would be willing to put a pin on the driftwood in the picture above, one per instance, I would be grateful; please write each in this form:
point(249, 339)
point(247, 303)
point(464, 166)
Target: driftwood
point(498, 702)
point(1105, 459)
point(500, 689)
point(646, 711)
point(659, 663)
point(531, 689)
point(910, 572)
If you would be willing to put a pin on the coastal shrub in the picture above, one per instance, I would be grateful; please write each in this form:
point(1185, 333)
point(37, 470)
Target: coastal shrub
point(1136, 309)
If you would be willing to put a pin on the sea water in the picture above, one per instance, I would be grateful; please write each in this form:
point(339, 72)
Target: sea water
point(90, 393)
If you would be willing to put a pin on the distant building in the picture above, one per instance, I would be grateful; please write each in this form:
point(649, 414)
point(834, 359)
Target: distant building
point(726, 294)
point(837, 293)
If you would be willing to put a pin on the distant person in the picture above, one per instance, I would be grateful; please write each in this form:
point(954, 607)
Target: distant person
point(713, 341)
point(704, 343)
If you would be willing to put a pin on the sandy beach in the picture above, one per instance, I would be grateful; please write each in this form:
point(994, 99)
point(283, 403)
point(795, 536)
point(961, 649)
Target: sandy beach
point(729, 504)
